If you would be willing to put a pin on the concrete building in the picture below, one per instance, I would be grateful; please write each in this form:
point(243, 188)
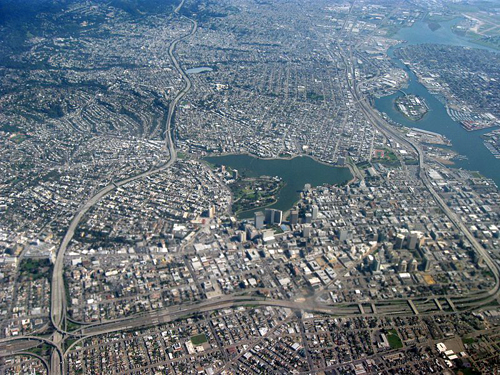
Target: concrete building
point(308, 217)
point(242, 236)
point(403, 266)
point(306, 231)
point(426, 266)
point(314, 211)
point(273, 216)
point(412, 266)
point(259, 220)
point(278, 217)
point(400, 239)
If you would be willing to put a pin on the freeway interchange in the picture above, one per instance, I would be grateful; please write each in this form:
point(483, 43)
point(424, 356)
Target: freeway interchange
point(58, 294)
point(376, 308)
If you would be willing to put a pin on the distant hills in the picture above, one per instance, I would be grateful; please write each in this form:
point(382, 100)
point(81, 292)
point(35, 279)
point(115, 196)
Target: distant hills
point(23, 9)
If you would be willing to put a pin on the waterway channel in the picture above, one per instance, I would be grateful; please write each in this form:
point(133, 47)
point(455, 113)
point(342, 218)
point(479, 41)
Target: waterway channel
point(469, 144)
point(295, 173)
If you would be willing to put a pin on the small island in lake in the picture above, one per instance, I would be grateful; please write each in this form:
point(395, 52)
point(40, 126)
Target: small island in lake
point(412, 106)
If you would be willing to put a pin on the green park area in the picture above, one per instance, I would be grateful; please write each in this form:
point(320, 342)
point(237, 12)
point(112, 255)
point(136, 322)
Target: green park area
point(199, 339)
point(252, 193)
point(386, 157)
point(394, 340)
point(35, 268)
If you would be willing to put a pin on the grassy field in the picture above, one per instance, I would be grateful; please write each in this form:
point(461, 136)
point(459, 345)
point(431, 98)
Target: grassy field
point(181, 155)
point(199, 339)
point(394, 340)
point(254, 193)
point(70, 326)
point(69, 342)
point(34, 268)
point(468, 340)
point(389, 159)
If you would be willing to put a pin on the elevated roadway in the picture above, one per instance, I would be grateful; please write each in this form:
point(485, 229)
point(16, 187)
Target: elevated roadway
point(58, 303)
point(391, 133)
point(58, 293)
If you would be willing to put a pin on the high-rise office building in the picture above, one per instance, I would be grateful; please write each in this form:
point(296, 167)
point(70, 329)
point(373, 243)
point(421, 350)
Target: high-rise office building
point(278, 217)
point(400, 239)
point(269, 216)
point(242, 236)
point(273, 216)
point(314, 212)
point(259, 220)
point(426, 266)
point(412, 266)
point(412, 241)
point(306, 231)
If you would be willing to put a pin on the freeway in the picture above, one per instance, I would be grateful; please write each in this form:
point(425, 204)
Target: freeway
point(185, 77)
point(382, 125)
point(7, 348)
point(29, 354)
point(187, 81)
point(58, 295)
point(177, 312)
point(390, 132)
point(58, 303)
point(179, 6)
point(400, 307)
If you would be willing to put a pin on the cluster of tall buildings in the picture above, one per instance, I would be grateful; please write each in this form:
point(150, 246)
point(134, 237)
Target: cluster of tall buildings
point(272, 216)
point(269, 217)
point(411, 242)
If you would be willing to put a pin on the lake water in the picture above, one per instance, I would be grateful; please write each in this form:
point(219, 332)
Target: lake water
point(437, 120)
point(295, 173)
point(200, 69)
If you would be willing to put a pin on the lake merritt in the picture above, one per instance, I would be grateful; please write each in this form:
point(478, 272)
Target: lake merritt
point(295, 173)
